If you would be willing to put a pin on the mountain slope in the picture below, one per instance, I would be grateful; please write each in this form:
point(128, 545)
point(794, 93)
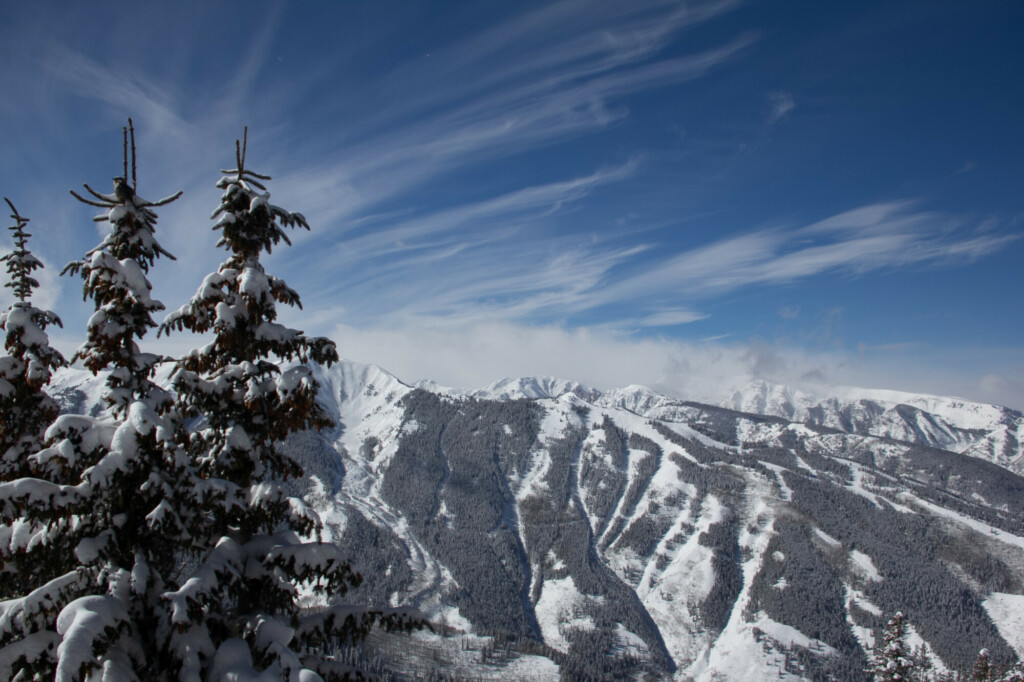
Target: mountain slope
point(626, 532)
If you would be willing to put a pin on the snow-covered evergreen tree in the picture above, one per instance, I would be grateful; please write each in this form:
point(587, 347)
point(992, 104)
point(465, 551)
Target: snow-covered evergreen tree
point(893, 661)
point(244, 609)
point(113, 491)
point(25, 408)
point(982, 671)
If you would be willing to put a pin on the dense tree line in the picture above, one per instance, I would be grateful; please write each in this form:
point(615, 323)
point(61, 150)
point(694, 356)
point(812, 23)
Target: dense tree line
point(603, 475)
point(798, 585)
point(914, 579)
point(449, 478)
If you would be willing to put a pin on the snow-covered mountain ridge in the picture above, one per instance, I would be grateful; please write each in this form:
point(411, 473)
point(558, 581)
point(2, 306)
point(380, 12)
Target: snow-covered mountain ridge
point(981, 430)
point(609, 535)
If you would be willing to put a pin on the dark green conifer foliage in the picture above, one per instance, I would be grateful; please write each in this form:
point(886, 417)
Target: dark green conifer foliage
point(114, 274)
point(159, 553)
point(1014, 674)
point(234, 383)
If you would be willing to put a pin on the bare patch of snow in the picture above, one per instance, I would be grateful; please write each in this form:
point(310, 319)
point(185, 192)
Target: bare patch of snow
point(560, 609)
point(863, 566)
point(788, 635)
point(827, 539)
point(865, 635)
point(1007, 612)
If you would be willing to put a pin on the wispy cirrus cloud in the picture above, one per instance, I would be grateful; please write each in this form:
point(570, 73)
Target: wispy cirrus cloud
point(123, 89)
point(515, 180)
point(383, 237)
point(518, 86)
point(489, 261)
point(529, 56)
point(671, 317)
point(780, 103)
point(869, 238)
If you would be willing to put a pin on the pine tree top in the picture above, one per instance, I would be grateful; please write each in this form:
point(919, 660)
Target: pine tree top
point(114, 277)
point(250, 223)
point(20, 262)
point(132, 220)
point(23, 324)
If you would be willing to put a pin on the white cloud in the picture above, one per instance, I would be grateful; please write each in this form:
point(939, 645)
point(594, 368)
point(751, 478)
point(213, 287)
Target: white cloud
point(858, 241)
point(789, 312)
point(473, 355)
point(669, 318)
point(780, 104)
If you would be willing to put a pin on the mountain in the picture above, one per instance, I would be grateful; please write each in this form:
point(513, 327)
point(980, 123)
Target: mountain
point(989, 432)
point(976, 429)
point(550, 529)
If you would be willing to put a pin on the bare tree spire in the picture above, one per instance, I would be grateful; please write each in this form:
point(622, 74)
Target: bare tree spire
point(135, 181)
point(124, 151)
point(240, 151)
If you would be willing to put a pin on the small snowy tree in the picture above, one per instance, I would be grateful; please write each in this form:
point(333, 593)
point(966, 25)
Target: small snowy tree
point(982, 671)
point(243, 608)
point(112, 490)
point(893, 662)
point(25, 408)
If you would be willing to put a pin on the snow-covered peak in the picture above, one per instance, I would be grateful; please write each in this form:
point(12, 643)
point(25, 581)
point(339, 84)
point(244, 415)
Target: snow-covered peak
point(440, 389)
point(961, 413)
point(533, 388)
point(634, 398)
point(778, 400)
point(354, 390)
point(357, 383)
point(764, 397)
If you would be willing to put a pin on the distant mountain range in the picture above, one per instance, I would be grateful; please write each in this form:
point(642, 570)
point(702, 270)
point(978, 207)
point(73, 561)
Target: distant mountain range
point(986, 431)
point(552, 529)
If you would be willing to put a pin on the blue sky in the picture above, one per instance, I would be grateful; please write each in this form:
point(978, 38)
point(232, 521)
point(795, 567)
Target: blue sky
point(685, 195)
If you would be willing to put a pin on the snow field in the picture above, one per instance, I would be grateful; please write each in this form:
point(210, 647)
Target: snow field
point(737, 654)
point(915, 640)
point(980, 526)
point(1007, 612)
point(785, 492)
point(863, 566)
point(827, 539)
point(787, 635)
point(558, 610)
point(865, 636)
point(684, 583)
